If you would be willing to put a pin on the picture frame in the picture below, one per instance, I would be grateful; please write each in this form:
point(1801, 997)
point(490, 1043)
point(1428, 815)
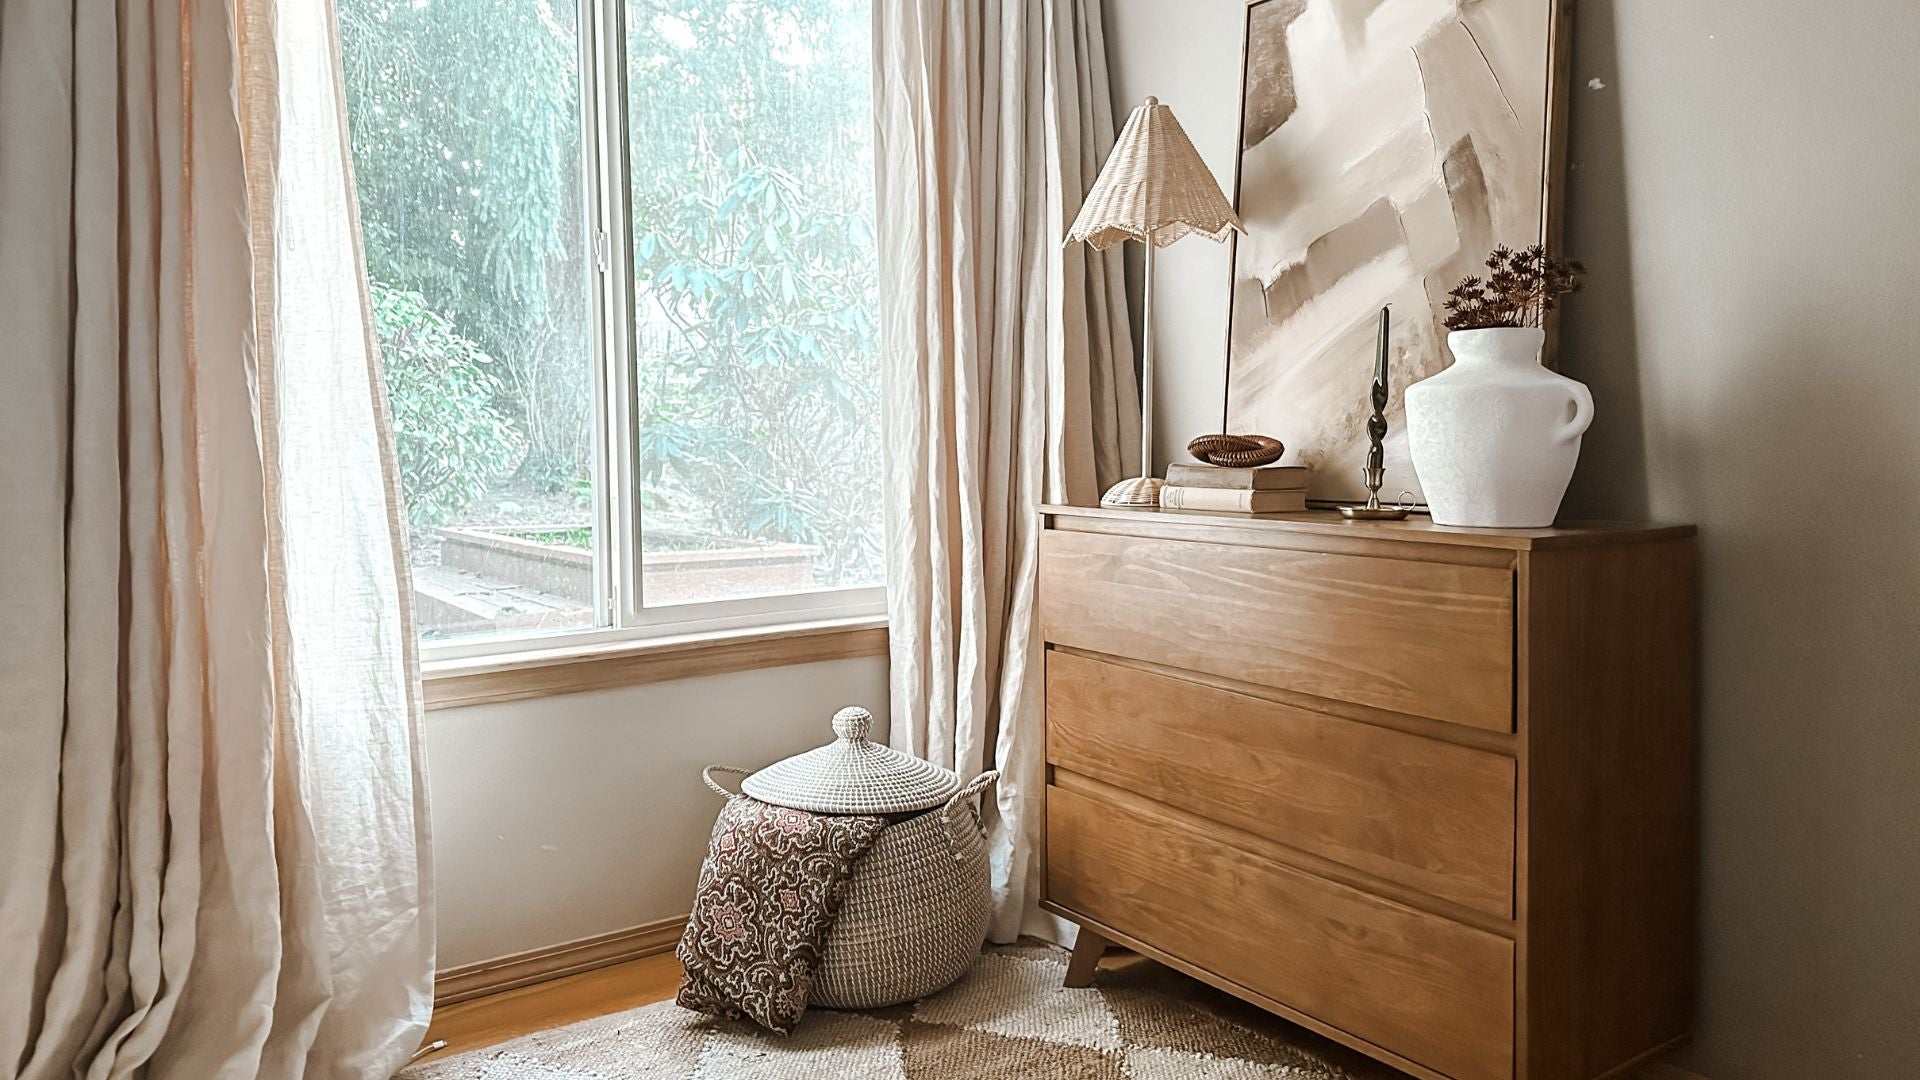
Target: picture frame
point(1346, 214)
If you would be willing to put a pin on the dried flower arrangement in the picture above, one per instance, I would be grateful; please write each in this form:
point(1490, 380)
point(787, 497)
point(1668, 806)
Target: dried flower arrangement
point(1520, 288)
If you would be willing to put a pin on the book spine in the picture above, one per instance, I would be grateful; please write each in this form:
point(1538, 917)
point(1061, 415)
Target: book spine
point(1209, 476)
point(1192, 498)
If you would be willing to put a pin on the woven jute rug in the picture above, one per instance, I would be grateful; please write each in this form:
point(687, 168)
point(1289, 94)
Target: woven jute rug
point(1008, 1018)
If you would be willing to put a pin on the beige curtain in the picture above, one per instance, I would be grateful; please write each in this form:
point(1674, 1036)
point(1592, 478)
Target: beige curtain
point(214, 857)
point(1008, 372)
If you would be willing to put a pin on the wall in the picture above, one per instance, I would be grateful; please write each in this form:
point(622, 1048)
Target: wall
point(1741, 187)
point(560, 818)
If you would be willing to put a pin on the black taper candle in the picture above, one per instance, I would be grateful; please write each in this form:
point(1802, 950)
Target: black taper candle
point(1380, 360)
point(1377, 423)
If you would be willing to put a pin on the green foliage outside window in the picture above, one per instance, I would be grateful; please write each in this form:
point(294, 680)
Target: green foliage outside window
point(752, 166)
point(751, 162)
point(449, 432)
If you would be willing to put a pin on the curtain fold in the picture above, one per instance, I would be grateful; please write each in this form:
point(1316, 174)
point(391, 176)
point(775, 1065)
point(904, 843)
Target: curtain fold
point(214, 862)
point(1008, 373)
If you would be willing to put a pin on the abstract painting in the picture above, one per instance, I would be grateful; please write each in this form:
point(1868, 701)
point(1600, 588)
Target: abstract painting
point(1386, 147)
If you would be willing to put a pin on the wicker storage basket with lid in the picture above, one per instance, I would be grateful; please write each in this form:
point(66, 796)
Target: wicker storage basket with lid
point(916, 908)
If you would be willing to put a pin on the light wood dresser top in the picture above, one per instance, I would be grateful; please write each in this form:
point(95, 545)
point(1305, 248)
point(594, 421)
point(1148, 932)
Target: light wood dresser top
point(1416, 529)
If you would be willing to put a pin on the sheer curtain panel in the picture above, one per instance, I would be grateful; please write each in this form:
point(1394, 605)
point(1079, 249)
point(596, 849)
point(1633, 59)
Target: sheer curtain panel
point(1007, 367)
point(214, 858)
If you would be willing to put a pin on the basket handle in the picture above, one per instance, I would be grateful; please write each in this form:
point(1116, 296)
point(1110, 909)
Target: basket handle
point(707, 775)
point(964, 797)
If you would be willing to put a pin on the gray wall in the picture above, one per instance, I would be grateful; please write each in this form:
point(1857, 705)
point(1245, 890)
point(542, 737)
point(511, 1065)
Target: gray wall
point(1743, 189)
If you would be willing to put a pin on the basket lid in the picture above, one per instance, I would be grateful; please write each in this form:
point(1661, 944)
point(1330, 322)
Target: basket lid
point(852, 775)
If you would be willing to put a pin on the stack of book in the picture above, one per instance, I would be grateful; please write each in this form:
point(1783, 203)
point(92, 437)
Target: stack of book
point(1269, 489)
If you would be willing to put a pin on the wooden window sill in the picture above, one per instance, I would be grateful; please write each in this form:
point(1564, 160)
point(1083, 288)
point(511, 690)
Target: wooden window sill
point(569, 669)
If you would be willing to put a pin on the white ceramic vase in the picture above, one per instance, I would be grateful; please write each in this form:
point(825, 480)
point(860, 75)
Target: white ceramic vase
point(1495, 437)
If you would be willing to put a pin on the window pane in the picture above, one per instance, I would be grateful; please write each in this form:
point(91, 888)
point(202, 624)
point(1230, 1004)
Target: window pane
point(755, 274)
point(467, 152)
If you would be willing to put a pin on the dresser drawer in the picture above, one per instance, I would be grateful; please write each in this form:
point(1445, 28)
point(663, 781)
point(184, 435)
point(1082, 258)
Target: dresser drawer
point(1422, 813)
point(1433, 991)
point(1421, 638)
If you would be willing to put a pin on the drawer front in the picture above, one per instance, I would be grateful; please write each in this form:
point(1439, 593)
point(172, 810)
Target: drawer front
point(1430, 990)
point(1420, 638)
point(1422, 813)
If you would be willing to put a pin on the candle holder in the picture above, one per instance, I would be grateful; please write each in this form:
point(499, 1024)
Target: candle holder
point(1375, 471)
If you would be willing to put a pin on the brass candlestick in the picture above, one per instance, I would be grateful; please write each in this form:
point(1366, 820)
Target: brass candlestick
point(1375, 471)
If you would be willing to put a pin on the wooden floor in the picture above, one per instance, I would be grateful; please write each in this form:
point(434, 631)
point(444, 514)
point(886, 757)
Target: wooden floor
point(480, 1022)
point(484, 1021)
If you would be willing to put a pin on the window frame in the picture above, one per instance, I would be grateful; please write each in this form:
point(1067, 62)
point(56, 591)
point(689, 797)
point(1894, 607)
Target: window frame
point(620, 613)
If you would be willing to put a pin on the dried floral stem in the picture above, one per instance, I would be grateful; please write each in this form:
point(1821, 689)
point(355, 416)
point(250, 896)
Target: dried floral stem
point(1521, 288)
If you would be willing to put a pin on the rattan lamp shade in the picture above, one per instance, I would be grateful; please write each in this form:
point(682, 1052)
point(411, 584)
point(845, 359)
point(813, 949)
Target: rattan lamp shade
point(1154, 187)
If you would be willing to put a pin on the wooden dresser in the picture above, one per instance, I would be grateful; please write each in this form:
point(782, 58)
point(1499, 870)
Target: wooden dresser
point(1426, 791)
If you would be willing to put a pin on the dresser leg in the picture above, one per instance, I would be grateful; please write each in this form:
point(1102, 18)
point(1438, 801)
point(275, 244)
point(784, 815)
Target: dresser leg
point(1087, 950)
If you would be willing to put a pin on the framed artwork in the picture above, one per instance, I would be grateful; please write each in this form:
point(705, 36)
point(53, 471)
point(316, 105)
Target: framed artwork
point(1386, 146)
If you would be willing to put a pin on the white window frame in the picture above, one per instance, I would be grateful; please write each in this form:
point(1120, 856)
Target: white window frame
point(620, 611)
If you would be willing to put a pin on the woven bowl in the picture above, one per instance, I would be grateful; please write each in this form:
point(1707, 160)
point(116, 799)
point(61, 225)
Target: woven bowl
point(1237, 451)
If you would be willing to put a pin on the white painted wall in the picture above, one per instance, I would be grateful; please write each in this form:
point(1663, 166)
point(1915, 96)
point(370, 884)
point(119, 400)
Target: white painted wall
point(1741, 187)
point(564, 817)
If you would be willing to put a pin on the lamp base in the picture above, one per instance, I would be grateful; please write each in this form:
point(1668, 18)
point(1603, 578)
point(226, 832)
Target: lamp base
point(1141, 492)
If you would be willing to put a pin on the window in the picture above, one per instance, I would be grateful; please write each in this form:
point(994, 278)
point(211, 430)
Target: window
point(624, 277)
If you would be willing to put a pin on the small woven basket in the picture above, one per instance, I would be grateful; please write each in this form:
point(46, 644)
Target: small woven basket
point(916, 909)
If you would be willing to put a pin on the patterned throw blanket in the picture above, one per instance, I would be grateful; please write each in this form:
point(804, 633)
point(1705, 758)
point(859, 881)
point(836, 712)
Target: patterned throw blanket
point(768, 894)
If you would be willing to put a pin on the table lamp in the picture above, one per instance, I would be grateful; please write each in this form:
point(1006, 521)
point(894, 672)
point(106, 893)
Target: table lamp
point(1155, 189)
